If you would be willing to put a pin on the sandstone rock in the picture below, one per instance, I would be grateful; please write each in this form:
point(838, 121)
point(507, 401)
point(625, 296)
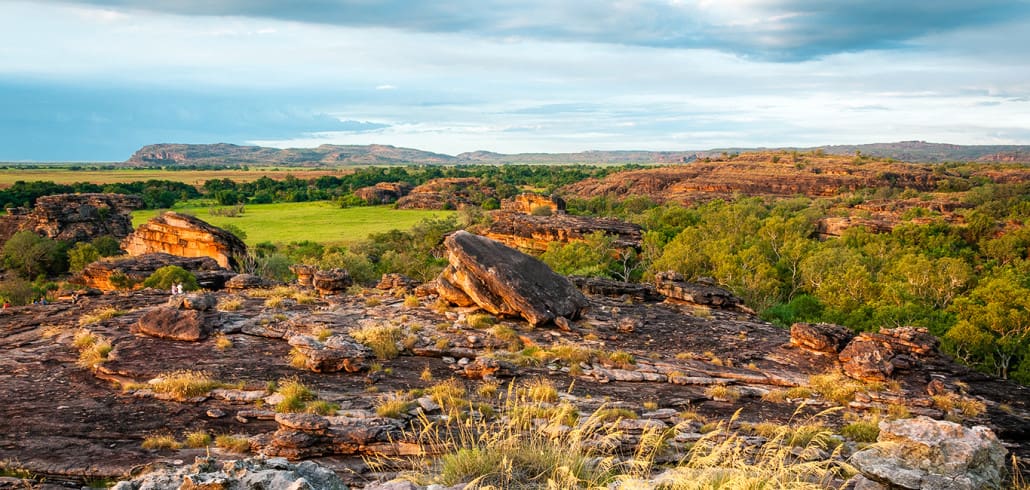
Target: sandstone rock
point(383, 192)
point(537, 232)
point(102, 274)
point(305, 274)
point(75, 217)
point(488, 368)
point(445, 193)
point(615, 289)
point(928, 454)
point(172, 323)
point(266, 474)
point(241, 282)
point(396, 282)
point(820, 337)
point(333, 281)
point(308, 422)
point(527, 202)
point(193, 301)
point(337, 353)
point(185, 236)
point(674, 286)
point(875, 356)
point(504, 281)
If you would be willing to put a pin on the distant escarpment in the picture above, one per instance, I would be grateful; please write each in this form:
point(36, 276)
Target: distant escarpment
point(74, 217)
point(185, 236)
point(446, 193)
point(227, 154)
point(777, 174)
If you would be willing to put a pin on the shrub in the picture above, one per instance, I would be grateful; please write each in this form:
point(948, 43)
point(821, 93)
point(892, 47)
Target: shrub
point(229, 304)
point(540, 390)
point(184, 384)
point(198, 439)
point(411, 301)
point(295, 396)
point(322, 407)
point(232, 443)
point(99, 315)
point(861, 431)
point(722, 392)
point(381, 338)
point(222, 342)
point(81, 255)
point(394, 405)
point(161, 441)
point(17, 291)
point(31, 255)
point(838, 388)
point(480, 320)
point(164, 277)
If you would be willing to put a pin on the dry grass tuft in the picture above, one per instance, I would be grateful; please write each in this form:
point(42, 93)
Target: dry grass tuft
point(233, 443)
point(99, 315)
point(161, 441)
point(198, 439)
point(184, 384)
point(381, 338)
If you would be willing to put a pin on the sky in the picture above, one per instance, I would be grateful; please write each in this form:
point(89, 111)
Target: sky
point(94, 80)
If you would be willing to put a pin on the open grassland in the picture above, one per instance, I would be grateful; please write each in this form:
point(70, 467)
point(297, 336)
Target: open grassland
point(319, 221)
point(9, 176)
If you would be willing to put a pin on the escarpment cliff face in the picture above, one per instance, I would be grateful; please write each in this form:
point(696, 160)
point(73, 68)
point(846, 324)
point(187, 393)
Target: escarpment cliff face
point(446, 193)
point(756, 174)
point(185, 236)
point(74, 217)
point(535, 233)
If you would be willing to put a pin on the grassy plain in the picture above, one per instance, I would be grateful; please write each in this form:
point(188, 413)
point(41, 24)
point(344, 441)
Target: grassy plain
point(318, 221)
point(9, 176)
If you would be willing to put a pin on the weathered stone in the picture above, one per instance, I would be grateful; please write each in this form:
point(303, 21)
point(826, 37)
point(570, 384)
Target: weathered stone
point(528, 203)
point(704, 292)
point(396, 282)
point(129, 272)
point(332, 281)
point(307, 422)
point(172, 323)
point(185, 236)
point(820, 337)
point(875, 356)
point(928, 454)
point(504, 281)
point(487, 368)
point(530, 232)
point(75, 217)
point(615, 289)
point(446, 193)
point(337, 353)
point(241, 282)
point(193, 301)
point(266, 474)
point(383, 192)
point(305, 274)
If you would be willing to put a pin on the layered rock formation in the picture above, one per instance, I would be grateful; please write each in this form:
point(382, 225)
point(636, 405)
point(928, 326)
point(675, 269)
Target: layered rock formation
point(208, 473)
point(74, 217)
point(927, 454)
point(528, 202)
point(189, 318)
point(504, 281)
point(383, 192)
point(130, 272)
point(876, 356)
point(704, 293)
point(446, 193)
point(535, 233)
point(185, 236)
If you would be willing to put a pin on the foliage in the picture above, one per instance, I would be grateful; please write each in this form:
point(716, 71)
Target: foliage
point(994, 327)
point(31, 255)
point(381, 338)
point(81, 255)
point(168, 275)
point(184, 384)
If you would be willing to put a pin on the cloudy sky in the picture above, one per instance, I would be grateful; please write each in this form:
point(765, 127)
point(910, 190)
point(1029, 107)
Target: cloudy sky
point(93, 80)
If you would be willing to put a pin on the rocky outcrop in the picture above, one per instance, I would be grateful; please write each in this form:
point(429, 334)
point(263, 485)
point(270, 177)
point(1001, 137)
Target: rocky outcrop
point(187, 318)
point(242, 282)
point(397, 282)
point(834, 226)
point(446, 193)
point(207, 473)
point(876, 356)
point(704, 292)
point(130, 272)
point(305, 274)
point(304, 435)
point(928, 454)
point(600, 286)
point(185, 236)
point(332, 281)
point(383, 192)
point(820, 337)
point(529, 232)
point(505, 281)
point(337, 353)
point(75, 217)
point(528, 203)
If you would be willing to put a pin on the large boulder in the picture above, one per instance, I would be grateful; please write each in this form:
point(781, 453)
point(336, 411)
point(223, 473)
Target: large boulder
point(185, 236)
point(383, 192)
point(75, 217)
point(127, 272)
point(167, 322)
point(820, 337)
point(337, 353)
point(331, 281)
point(305, 274)
point(529, 232)
point(704, 292)
point(928, 454)
point(876, 356)
point(264, 473)
point(504, 281)
point(241, 282)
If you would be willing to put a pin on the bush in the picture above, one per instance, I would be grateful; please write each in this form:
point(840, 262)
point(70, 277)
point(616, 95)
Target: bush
point(31, 255)
point(17, 291)
point(81, 255)
point(164, 277)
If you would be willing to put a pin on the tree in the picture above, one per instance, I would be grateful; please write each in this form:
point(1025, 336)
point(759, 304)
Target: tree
point(993, 330)
point(81, 255)
point(164, 277)
point(30, 255)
